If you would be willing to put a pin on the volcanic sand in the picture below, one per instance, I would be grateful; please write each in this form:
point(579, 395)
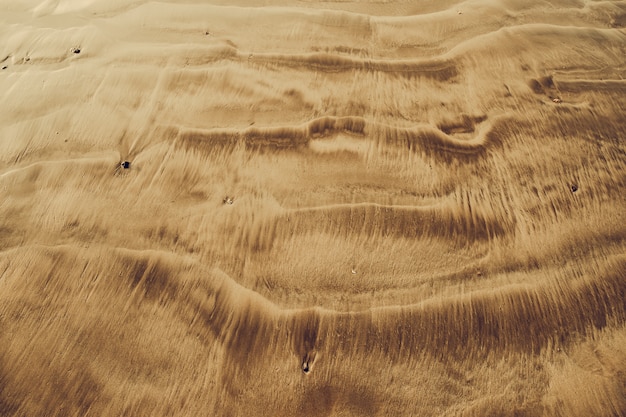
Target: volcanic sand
point(332, 208)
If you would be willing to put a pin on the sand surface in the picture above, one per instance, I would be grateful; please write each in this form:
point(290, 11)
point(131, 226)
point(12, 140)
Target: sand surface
point(341, 208)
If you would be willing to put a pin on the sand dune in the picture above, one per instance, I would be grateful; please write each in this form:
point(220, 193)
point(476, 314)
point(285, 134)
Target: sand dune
point(330, 208)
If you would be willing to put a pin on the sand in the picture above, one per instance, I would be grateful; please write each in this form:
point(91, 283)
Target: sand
point(362, 208)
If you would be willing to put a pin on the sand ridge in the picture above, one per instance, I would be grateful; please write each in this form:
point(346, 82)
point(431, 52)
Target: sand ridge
point(329, 208)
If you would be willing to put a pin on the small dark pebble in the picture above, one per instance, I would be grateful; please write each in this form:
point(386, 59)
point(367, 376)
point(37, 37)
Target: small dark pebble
point(125, 164)
point(76, 50)
point(574, 188)
point(4, 67)
point(305, 364)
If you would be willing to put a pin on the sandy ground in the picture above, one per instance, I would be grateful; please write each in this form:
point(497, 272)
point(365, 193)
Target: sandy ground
point(381, 208)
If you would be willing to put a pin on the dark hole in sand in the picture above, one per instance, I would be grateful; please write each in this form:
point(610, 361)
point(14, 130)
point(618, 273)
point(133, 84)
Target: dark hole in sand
point(574, 188)
point(4, 67)
point(125, 164)
point(76, 50)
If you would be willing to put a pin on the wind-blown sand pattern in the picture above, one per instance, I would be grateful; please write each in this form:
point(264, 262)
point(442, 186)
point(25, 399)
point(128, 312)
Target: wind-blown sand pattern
point(381, 208)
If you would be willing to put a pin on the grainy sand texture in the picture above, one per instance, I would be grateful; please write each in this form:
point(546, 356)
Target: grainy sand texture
point(333, 208)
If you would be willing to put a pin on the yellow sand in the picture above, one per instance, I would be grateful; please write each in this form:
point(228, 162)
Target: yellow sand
point(364, 208)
